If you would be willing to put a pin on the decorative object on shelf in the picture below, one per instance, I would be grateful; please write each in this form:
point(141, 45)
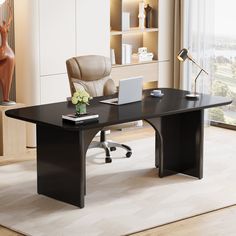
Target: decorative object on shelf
point(81, 99)
point(182, 56)
point(142, 56)
point(142, 50)
point(126, 53)
point(141, 15)
point(112, 56)
point(148, 11)
point(7, 59)
point(125, 21)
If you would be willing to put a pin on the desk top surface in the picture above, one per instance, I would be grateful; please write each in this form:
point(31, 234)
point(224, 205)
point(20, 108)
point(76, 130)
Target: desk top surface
point(173, 102)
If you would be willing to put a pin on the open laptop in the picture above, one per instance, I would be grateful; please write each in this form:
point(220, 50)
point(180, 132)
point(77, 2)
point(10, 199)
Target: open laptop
point(130, 90)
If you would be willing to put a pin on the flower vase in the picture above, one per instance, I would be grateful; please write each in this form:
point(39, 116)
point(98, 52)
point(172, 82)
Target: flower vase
point(80, 108)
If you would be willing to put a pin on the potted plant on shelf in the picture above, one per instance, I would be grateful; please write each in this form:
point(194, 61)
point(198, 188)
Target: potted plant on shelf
point(81, 99)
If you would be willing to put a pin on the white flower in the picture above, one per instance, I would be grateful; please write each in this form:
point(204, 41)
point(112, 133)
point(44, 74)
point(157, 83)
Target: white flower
point(81, 96)
point(76, 94)
point(74, 100)
point(85, 99)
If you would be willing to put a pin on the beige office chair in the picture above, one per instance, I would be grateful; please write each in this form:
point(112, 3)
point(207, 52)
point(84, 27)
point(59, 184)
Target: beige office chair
point(92, 73)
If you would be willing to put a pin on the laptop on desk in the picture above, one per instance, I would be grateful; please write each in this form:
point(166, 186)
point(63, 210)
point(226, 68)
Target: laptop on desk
point(130, 90)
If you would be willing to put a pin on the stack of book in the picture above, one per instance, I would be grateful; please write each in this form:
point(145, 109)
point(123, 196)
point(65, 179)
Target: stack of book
point(125, 21)
point(126, 53)
point(80, 119)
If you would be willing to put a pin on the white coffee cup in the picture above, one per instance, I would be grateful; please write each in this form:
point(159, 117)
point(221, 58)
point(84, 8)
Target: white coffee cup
point(156, 92)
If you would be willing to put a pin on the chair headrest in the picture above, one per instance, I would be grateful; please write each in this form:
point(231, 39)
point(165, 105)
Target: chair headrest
point(89, 68)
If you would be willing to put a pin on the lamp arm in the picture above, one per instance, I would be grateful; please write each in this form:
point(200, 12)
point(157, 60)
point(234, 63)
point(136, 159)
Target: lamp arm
point(198, 75)
point(190, 58)
point(195, 81)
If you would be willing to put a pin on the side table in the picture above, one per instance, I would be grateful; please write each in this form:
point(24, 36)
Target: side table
point(12, 133)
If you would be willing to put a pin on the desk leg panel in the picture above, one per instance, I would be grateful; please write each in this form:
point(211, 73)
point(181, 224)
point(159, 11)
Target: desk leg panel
point(61, 164)
point(156, 124)
point(182, 149)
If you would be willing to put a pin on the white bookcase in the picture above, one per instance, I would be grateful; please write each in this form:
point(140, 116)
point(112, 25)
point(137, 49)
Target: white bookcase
point(158, 39)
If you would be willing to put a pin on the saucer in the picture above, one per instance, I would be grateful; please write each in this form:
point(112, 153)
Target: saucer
point(157, 96)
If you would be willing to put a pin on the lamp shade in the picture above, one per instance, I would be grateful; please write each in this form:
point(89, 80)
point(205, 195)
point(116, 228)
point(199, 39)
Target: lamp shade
point(2, 1)
point(183, 54)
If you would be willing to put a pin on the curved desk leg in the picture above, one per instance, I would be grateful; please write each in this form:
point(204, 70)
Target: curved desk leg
point(181, 140)
point(156, 124)
point(61, 163)
point(86, 138)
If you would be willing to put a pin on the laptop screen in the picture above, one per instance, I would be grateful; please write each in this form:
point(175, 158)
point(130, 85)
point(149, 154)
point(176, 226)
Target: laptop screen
point(130, 90)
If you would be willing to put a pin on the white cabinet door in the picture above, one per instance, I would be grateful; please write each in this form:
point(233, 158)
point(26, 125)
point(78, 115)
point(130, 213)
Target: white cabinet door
point(54, 88)
point(166, 32)
point(57, 20)
point(93, 27)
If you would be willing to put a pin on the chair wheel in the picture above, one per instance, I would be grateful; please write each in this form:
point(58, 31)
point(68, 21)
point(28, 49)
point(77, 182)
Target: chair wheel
point(112, 149)
point(128, 154)
point(108, 160)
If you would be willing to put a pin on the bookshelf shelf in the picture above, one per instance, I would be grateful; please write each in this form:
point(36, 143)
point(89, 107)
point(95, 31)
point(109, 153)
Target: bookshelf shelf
point(133, 30)
point(135, 63)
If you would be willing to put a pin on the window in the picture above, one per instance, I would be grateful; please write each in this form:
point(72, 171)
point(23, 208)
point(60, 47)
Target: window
point(211, 38)
point(224, 62)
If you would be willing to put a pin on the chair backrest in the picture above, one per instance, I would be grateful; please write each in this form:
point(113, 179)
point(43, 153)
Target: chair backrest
point(91, 73)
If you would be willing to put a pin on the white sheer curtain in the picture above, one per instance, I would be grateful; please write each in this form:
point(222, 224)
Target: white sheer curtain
point(199, 39)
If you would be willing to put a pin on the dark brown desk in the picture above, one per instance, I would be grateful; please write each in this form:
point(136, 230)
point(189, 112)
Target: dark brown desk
point(62, 147)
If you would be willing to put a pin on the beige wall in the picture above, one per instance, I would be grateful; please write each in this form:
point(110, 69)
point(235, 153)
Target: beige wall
point(166, 39)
